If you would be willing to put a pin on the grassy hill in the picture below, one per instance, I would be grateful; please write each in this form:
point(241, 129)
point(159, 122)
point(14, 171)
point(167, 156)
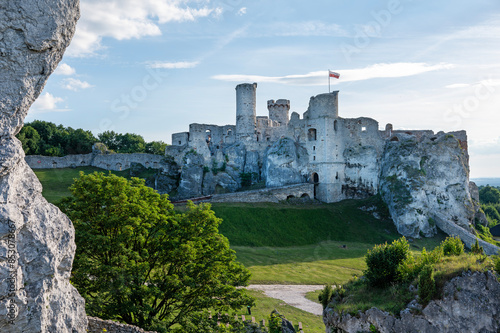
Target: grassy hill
point(285, 243)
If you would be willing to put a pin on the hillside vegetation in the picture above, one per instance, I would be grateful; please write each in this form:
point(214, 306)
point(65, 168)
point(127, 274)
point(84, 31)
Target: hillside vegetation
point(287, 243)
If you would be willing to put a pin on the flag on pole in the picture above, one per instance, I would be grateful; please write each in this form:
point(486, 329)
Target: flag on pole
point(333, 74)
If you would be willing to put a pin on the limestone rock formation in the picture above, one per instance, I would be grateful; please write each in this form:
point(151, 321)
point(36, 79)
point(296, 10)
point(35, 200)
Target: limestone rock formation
point(283, 163)
point(36, 240)
point(425, 179)
point(192, 176)
point(470, 303)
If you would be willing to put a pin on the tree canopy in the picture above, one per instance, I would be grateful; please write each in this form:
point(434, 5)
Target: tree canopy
point(140, 262)
point(45, 138)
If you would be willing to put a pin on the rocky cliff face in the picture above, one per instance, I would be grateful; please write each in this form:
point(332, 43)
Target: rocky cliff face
point(36, 239)
point(284, 162)
point(423, 178)
point(470, 303)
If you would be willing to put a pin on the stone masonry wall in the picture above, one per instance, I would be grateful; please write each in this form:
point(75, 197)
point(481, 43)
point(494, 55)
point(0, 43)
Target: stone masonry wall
point(115, 162)
point(268, 194)
point(97, 325)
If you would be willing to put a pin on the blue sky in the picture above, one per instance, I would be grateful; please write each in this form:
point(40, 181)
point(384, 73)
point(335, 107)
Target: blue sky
point(152, 67)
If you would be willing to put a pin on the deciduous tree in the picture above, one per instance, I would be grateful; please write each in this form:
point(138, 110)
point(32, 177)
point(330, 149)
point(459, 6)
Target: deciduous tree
point(140, 262)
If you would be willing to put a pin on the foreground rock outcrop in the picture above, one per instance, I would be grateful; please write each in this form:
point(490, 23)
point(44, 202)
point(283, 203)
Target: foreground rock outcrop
point(470, 303)
point(36, 240)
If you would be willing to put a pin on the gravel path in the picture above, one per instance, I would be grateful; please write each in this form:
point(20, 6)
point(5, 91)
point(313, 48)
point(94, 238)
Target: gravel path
point(294, 295)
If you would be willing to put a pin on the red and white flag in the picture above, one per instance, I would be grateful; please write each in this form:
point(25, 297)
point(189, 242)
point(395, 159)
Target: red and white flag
point(333, 74)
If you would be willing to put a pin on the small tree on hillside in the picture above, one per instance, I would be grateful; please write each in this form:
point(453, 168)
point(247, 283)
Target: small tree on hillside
point(140, 262)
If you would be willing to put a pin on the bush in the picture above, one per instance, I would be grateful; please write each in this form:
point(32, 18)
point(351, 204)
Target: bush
point(452, 246)
point(325, 295)
point(497, 264)
point(426, 284)
point(476, 248)
point(383, 262)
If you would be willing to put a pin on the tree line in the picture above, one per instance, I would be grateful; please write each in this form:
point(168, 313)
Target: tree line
point(48, 139)
point(489, 198)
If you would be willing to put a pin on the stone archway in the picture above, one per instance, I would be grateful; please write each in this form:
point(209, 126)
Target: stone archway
point(315, 181)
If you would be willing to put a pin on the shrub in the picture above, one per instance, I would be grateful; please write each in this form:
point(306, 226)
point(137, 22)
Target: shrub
point(476, 248)
point(497, 264)
point(325, 295)
point(426, 284)
point(452, 246)
point(383, 262)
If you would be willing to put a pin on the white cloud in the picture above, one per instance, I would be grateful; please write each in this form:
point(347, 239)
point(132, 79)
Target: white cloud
point(47, 103)
point(75, 84)
point(126, 19)
point(306, 28)
point(64, 69)
point(318, 78)
point(174, 65)
point(458, 85)
point(242, 11)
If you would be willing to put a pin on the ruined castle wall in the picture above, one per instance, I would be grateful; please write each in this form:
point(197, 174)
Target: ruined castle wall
point(362, 153)
point(268, 195)
point(114, 162)
point(180, 139)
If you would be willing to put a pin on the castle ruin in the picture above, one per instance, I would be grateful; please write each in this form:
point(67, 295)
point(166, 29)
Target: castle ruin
point(340, 156)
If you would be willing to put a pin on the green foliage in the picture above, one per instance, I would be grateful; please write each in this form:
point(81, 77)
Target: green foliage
point(497, 264)
point(267, 224)
point(156, 147)
point(476, 249)
point(452, 246)
point(325, 295)
point(275, 322)
point(49, 139)
point(489, 195)
point(484, 233)
point(383, 262)
point(219, 323)
point(248, 178)
point(426, 284)
point(30, 139)
point(373, 329)
point(216, 169)
point(140, 262)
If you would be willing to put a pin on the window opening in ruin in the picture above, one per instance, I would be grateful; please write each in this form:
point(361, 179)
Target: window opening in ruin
point(119, 166)
point(229, 132)
point(337, 175)
point(394, 139)
point(363, 129)
point(311, 134)
point(314, 147)
point(267, 138)
point(314, 158)
point(208, 135)
point(335, 125)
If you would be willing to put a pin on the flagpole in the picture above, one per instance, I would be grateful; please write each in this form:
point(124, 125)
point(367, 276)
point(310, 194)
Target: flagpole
point(328, 80)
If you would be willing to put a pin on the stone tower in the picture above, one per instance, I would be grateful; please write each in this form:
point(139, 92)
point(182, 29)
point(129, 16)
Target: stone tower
point(245, 111)
point(278, 110)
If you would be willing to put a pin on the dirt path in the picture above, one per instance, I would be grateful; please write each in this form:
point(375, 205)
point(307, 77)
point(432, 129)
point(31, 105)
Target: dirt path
point(294, 295)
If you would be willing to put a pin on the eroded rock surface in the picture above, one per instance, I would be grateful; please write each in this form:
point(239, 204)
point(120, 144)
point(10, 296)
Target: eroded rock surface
point(470, 303)
point(36, 240)
point(422, 178)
